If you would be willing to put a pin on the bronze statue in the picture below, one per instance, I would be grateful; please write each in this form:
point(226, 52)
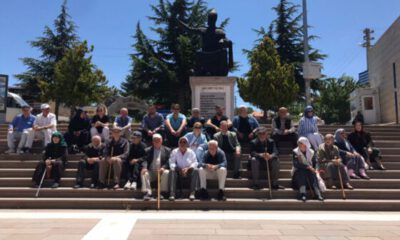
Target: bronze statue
point(213, 59)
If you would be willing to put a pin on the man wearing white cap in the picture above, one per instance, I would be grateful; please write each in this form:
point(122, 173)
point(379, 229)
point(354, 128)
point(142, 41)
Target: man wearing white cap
point(45, 124)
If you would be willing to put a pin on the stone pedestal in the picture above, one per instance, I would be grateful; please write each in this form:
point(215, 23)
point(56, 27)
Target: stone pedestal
point(210, 91)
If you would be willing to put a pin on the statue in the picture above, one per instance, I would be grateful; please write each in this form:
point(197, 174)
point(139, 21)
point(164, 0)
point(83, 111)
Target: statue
point(213, 59)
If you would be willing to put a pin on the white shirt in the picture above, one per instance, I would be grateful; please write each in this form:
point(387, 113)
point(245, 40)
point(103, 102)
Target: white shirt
point(177, 159)
point(45, 121)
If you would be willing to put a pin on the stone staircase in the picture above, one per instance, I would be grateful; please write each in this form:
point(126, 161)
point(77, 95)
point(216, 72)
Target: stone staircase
point(381, 193)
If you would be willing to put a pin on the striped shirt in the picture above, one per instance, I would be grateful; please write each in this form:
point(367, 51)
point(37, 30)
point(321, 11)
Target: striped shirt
point(307, 126)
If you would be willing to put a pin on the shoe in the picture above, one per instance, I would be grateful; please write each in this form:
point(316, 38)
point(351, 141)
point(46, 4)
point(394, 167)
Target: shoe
point(256, 187)
point(371, 168)
point(348, 186)
point(171, 198)
point(9, 151)
point(101, 186)
point(127, 185)
point(192, 196)
point(19, 151)
point(55, 185)
point(303, 197)
point(133, 186)
point(78, 185)
point(147, 197)
point(354, 177)
point(161, 197)
point(35, 185)
point(365, 177)
point(381, 167)
point(116, 186)
point(333, 187)
point(277, 187)
point(320, 198)
point(237, 176)
point(204, 194)
point(92, 185)
point(221, 195)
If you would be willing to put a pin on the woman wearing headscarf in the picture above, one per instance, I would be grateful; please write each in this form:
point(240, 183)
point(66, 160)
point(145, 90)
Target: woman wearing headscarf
point(362, 142)
point(351, 158)
point(304, 171)
point(77, 135)
point(54, 160)
point(308, 127)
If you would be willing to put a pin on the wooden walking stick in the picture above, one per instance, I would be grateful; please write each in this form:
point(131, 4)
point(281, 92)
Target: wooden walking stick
point(341, 182)
point(109, 167)
point(158, 188)
point(269, 178)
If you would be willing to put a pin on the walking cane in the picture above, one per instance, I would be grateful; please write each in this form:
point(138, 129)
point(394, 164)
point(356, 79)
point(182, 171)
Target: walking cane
point(269, 179)
point(158, 189)
point(41, 182)
point(341, 182)
point(109, 168)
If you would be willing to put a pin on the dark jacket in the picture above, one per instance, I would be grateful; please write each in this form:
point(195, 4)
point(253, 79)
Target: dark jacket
point(164, 157)
point(257, 147)
point(360, 140)
point(118, 148)
point(343, 149)
point(78, 124)
point(56, 152)
point(219, 159)
point(92, 152)
point(137, 151)
point(232, 138)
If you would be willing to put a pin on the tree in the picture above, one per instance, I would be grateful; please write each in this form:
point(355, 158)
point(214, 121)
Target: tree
point(77, 80)
point(333, 105)
point(161, 68)
point(269, 83)
point(287, 32)
point(53, 46)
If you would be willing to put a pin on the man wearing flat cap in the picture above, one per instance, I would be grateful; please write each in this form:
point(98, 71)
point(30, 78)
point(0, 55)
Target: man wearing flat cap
point(134, 160)
point(43, 127)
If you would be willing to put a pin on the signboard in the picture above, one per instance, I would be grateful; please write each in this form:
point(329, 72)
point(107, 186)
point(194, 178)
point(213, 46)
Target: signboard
point(3, 93)
point(208, 101)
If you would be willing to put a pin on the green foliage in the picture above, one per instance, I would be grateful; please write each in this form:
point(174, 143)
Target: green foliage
point(53, 45)
point(333, 105)
point(77, 82)
point(287, 33)
point(269, 84)
point(161, 68)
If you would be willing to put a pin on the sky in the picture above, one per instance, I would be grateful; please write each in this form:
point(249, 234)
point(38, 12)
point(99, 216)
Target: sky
point(109, 26)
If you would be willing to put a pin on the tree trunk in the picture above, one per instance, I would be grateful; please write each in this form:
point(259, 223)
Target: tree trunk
point(57, 108)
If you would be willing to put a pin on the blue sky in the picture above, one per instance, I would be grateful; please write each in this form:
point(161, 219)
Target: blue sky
point(109, 26)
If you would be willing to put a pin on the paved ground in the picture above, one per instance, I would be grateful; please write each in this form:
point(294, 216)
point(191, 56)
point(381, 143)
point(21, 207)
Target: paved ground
point(193, 225)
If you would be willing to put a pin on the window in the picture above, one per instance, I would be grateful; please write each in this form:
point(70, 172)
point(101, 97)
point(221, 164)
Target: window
point(368, 103)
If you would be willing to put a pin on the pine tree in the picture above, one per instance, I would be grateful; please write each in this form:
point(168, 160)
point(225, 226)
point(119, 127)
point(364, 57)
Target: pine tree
point(287, 32)
point(78, 81)
point(269, 83)
point(161, 68)
point(53, 46)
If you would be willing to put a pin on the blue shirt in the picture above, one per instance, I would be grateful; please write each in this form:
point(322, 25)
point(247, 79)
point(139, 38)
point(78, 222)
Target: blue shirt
point(307, 126)
point(175, 122)
point(153, 122)
point(20, 123)
point(195, 141)
point(123, 121)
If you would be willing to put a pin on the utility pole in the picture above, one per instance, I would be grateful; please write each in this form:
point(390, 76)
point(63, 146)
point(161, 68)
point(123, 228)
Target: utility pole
point(307, 81)
point(367, 40)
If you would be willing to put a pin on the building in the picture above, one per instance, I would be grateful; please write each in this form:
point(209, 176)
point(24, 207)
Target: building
point(380, 99)
point(363, 78)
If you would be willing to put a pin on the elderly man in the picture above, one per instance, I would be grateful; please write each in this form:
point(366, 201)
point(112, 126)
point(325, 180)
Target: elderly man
point(137, 151)
point(124, 122)
point(195, 118)
point(19, 130)
point(262, 152)
point(90, 162)
point(153, 122)
point(329, 160)
point(213, 166)
point(183, 164)
point(228, 142)
point(115, 153)
point(245, 125)
point(43, 127)
point(283, 129)
point(156, 159)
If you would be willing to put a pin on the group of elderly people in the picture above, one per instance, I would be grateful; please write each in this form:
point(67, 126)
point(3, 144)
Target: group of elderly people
point(176, 156)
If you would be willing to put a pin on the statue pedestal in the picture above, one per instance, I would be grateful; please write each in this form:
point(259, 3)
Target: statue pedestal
point(210, 91)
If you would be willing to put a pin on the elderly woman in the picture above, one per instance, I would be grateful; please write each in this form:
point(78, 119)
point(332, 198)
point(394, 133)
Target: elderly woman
point(54, 160)
point(308, 127)
point(77, 135)
point(329, 161)
point(304, 172)
point(196, 138)
point(362, 142)
point(352, 159)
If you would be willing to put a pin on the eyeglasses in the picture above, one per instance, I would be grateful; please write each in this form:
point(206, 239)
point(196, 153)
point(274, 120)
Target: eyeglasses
point(197, 127)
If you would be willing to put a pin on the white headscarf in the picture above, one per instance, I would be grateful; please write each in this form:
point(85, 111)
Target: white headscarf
point(309, 152)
